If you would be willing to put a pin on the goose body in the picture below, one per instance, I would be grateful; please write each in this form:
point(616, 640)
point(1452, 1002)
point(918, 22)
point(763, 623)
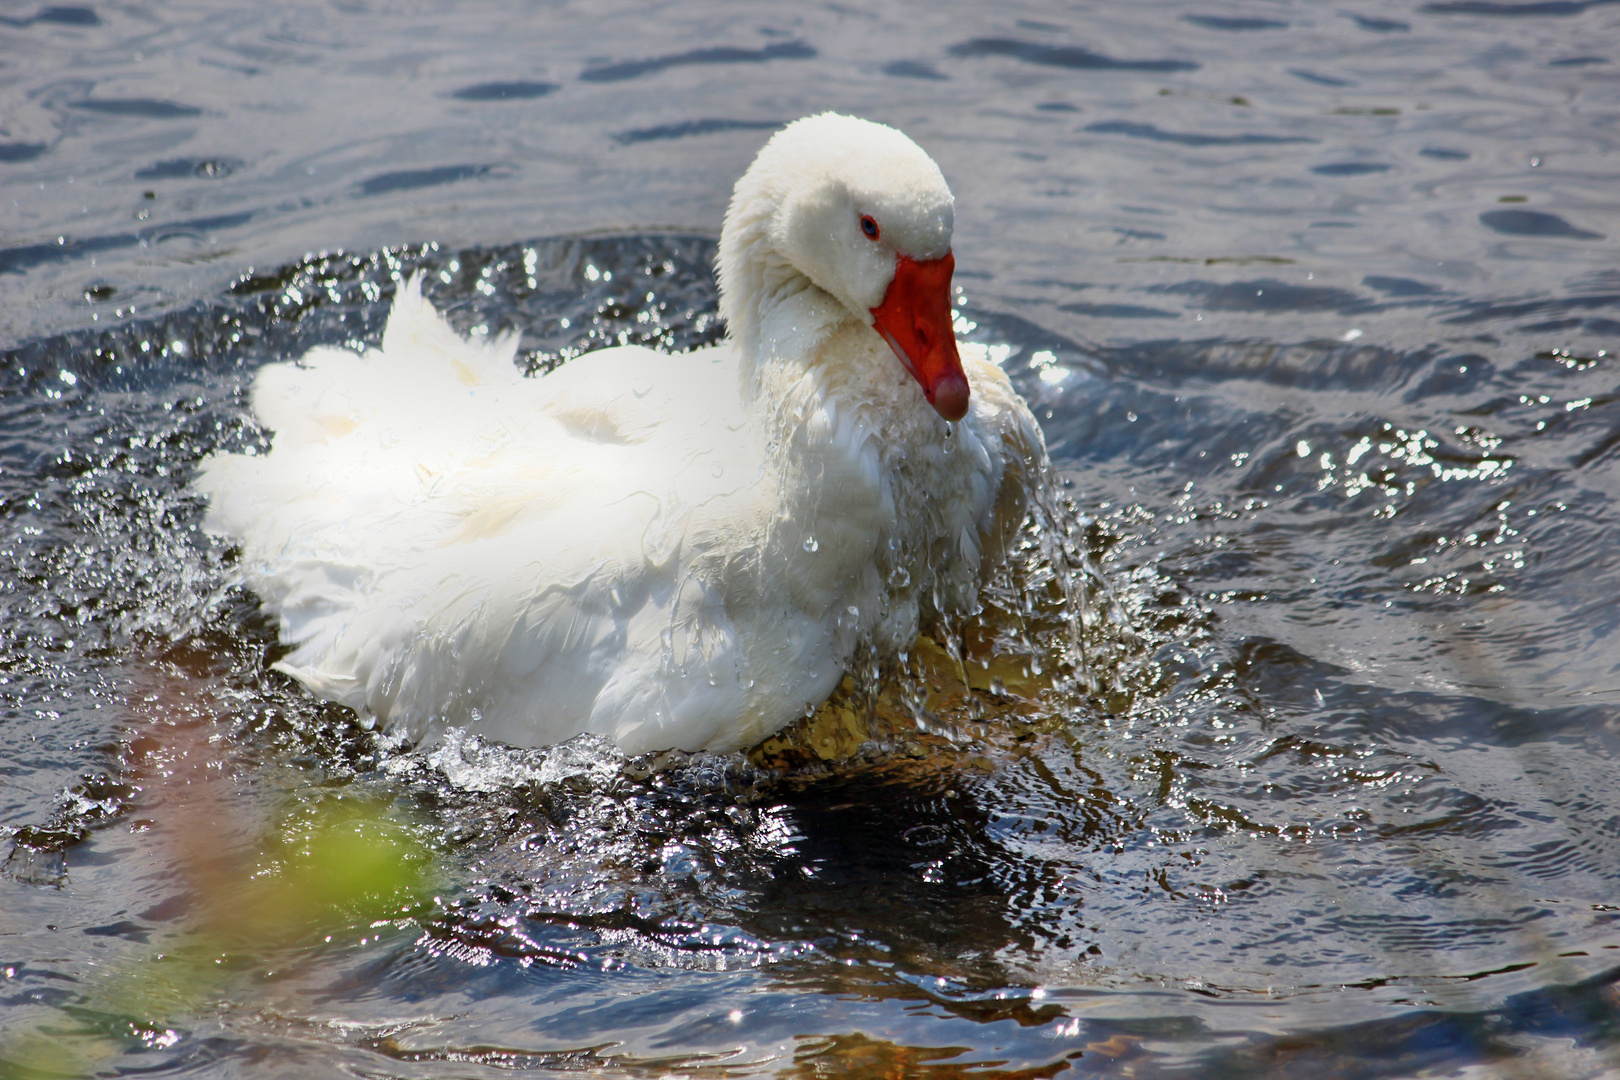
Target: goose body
point(672, 551)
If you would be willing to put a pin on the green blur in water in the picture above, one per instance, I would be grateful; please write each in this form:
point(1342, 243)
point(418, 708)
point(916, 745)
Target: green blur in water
point(332, 871)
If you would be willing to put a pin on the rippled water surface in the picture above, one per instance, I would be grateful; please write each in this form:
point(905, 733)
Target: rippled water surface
point(1318, 305)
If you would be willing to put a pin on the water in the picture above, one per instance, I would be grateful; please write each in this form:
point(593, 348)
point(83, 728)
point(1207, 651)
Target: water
point(1319, 310)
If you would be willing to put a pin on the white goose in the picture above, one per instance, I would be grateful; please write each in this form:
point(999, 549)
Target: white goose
point(670, 551)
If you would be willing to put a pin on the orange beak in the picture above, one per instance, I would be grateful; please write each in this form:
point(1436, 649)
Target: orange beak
point(915, 319)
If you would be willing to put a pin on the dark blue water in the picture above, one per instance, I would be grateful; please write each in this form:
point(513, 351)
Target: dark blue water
point(1319, 309)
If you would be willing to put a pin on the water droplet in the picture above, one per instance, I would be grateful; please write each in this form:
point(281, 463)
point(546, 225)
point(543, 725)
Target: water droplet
point(810, 544)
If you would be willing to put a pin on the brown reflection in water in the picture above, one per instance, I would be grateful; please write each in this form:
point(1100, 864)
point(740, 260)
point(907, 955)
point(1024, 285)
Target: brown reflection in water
point(861, 1057)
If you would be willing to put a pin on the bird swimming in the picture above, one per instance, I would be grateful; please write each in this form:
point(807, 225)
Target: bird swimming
point(670, 551)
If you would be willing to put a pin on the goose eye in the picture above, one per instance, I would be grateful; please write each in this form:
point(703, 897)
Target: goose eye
point(869, 226)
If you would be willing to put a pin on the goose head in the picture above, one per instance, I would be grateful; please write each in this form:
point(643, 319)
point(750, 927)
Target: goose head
point(859, 213)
